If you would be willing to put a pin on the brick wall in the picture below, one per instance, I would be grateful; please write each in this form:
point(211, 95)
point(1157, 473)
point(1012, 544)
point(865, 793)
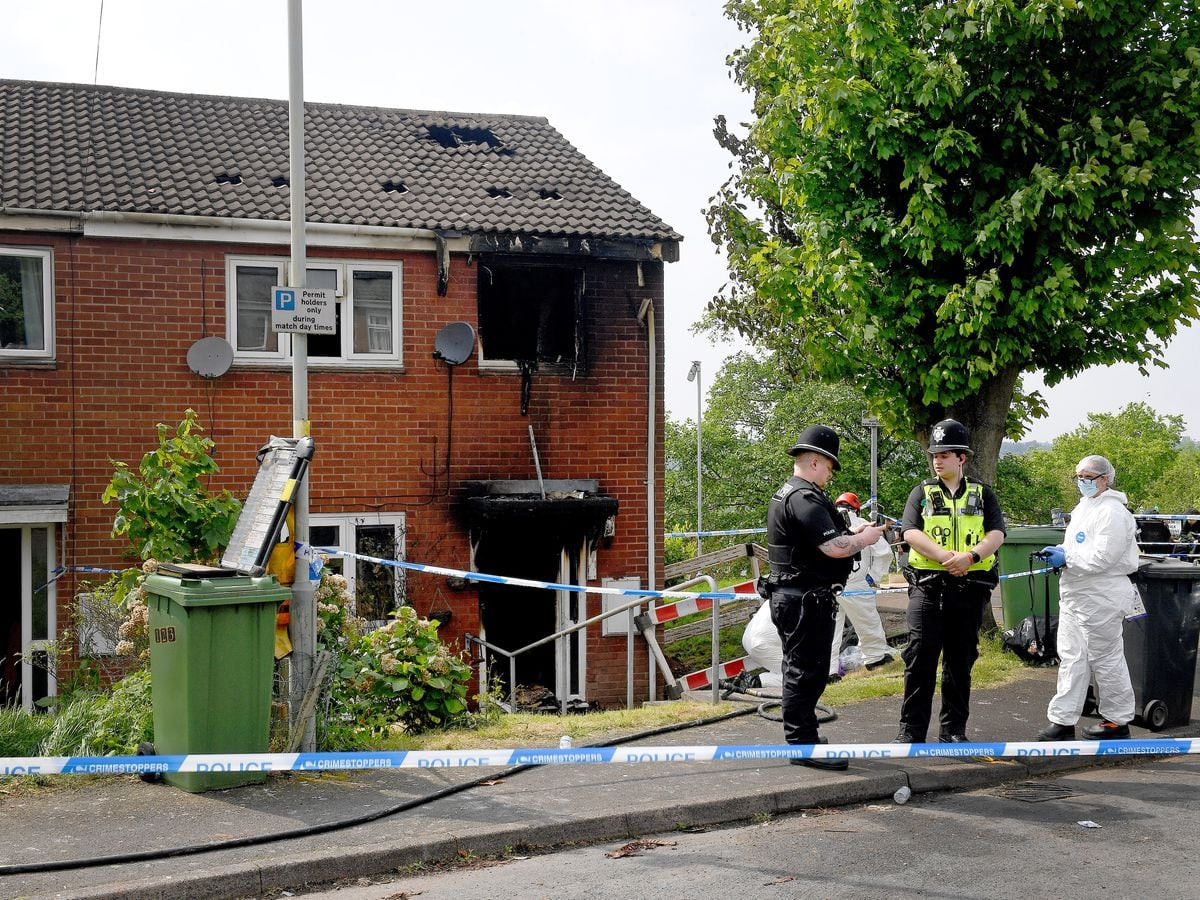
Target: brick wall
point(127, 311)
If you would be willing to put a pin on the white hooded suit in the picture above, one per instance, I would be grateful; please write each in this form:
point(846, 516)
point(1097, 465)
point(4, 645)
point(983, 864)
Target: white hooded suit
point(1095, 594)
point(761, 639)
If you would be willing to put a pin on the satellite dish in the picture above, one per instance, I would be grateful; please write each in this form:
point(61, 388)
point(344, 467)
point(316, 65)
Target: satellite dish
point(210, 357)
point(454, 343)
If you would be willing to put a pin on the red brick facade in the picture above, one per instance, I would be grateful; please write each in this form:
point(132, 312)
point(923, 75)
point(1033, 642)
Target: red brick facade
point(126, 312)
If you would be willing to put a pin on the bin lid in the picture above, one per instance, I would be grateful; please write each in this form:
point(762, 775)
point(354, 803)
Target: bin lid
point(1174, 569)
point(188, 590)
point(1034, 534)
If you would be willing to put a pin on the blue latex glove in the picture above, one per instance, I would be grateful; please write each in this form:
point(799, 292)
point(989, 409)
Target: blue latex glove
point(1056, 556)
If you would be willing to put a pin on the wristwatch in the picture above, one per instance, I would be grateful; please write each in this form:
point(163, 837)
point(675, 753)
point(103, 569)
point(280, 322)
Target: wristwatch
point(975, 557)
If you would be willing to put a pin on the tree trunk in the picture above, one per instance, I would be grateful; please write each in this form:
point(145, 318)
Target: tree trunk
point(986, 418)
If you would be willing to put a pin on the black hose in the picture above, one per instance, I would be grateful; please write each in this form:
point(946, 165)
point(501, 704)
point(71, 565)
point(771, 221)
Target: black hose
point(309, 830)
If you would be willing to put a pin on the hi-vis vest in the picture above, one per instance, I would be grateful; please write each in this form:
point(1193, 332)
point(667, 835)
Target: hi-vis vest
point(956, 525)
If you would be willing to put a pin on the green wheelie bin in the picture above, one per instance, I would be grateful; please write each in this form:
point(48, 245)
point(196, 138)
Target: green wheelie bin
point(1015, 596)
point(212, 640)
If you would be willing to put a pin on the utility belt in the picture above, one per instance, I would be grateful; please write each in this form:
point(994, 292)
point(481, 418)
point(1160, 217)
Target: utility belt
point(932, 578)
point(796, 585)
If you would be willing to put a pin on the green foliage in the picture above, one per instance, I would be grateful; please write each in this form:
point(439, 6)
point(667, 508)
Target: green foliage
point(124, 717)
point(935, 198)
point(1140, 443)
point(103, 724)
point(1177, 489)
point(1027, 491)
point(164, 507)
point(757, 406)
point(398, 676)
point(22, 734)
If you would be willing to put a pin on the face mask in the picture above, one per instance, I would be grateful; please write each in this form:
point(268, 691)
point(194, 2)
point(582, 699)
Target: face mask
point(1086, 488)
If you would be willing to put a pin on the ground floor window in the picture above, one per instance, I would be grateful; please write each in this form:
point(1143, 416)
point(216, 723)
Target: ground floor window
point(377, 590)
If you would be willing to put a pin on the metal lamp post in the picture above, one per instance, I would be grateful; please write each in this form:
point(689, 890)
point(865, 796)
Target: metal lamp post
point(694, 375)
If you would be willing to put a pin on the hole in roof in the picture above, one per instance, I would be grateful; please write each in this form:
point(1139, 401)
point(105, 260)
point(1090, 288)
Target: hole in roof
point(499, 192)
point(280, 181)
point(228, 178)
point(549, 194)
point(456, 136)
point(394, 186)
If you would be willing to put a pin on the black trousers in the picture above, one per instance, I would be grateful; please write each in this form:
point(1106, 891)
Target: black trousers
point(944, 615)
point(804, 620)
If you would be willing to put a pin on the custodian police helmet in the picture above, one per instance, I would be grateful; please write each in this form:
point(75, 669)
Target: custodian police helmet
point(818, 439)
point(949, 434)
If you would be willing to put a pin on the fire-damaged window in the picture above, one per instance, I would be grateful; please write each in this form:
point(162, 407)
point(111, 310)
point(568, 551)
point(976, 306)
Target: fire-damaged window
point(531, 313)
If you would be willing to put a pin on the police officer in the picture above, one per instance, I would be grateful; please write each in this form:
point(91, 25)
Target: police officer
point(954, 526)
point(811, 552)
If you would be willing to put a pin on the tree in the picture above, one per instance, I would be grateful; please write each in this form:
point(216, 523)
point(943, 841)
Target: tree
point(934, 198)
point(1140, 443)
point(1027, 492)
point(756, 407)
point(1178, 488)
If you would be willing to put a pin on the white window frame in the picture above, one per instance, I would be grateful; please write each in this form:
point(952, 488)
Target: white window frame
point(47, 257)
point(348, 539)
point(345, 271)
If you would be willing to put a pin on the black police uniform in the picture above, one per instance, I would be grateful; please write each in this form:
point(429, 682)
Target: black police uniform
point(802, 589)
point(945, 613)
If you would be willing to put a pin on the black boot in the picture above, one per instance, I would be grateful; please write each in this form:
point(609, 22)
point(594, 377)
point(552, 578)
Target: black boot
point(1056, 732)
point(831, 765)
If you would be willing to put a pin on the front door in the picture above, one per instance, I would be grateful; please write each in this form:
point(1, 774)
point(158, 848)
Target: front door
point(27, 614)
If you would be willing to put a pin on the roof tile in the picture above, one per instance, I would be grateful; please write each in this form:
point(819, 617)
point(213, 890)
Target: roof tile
point(68, 146)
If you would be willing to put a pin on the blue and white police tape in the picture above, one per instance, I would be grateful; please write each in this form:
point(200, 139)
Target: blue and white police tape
point(589, 588)
point(537, 756)
point(60, 571)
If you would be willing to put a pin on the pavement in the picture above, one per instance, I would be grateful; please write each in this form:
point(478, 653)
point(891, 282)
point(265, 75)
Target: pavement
point(544, 807)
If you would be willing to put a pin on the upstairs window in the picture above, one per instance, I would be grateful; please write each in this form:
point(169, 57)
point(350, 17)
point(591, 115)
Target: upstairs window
point(367, 311)
point(26, 304)
point(530, 313)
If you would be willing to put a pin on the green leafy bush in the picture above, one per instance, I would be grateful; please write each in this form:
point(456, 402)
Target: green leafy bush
point(164, 507)
point(400, 675)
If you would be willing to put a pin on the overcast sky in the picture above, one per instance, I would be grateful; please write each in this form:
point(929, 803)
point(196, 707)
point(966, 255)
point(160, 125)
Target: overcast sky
point(634, 84)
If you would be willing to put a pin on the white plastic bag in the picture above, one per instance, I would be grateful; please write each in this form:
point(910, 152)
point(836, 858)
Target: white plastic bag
point(851, 659)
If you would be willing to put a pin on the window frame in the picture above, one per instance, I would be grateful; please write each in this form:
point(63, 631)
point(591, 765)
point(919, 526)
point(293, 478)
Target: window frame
point(348, 541)
point(345, 271)
point(46, 255)
point(578, 365)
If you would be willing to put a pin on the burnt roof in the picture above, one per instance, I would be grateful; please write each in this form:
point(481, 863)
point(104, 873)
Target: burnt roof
point(71, 147)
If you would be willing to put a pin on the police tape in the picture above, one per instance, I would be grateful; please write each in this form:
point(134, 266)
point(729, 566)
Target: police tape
point(594, 589)
point(535, 756)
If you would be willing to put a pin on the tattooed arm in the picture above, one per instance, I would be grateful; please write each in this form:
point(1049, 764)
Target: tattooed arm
point(848, 544)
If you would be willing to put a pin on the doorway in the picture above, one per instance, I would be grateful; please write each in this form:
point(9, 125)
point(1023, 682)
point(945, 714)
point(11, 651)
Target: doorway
point(27, 614)
point(513, 616)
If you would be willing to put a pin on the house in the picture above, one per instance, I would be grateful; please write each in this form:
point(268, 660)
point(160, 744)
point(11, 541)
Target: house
point(134, 224)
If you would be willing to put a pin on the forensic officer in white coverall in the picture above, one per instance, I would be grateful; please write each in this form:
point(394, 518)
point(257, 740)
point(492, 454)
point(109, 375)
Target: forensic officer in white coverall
point(1100, 553)
point(761, 638)
point(869, 572)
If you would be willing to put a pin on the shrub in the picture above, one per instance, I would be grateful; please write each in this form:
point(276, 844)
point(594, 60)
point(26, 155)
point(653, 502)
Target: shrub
point(164, 507)
point(398, 675)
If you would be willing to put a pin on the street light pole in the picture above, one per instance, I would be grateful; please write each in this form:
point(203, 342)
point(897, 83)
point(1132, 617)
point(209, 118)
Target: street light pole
point(694, 375)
